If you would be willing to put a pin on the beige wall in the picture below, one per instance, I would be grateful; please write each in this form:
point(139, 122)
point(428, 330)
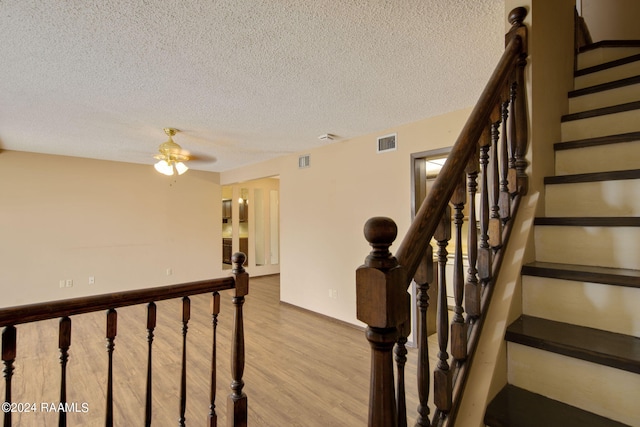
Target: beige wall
point(612, 19)
point(323, 208)
point(124, 224)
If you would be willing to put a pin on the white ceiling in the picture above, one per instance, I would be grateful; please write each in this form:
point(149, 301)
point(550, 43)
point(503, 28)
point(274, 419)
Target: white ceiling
point(244, 80)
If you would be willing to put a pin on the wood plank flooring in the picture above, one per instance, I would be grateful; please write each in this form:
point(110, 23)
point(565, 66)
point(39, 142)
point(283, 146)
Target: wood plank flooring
point(302, 369)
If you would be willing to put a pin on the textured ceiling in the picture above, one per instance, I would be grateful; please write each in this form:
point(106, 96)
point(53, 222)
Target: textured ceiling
point(244, 80)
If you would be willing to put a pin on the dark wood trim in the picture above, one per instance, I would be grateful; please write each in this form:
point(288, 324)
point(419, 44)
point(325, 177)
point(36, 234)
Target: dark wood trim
point(622, 221)
point(514, 406)
point(600, 140)
point(73, 306)
point(584, 273)
point(620, 108)
point(605, 86)
point(593, 345)
point(610, 43)
point(607, 65)
point(593, 177)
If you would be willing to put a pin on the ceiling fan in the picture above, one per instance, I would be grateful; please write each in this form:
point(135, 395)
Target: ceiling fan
point(171, 157)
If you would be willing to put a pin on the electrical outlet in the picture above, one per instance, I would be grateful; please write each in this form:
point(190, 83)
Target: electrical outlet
point(169, 272)
point(92, 280)
point(334, 293)
point(69, 283)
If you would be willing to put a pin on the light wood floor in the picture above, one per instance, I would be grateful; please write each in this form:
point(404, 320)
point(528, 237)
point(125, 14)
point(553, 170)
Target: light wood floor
point(302, 369)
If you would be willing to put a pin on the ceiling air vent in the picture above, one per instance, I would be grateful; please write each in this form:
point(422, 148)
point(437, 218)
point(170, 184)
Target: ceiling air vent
point(304, 161)
point(387, 143)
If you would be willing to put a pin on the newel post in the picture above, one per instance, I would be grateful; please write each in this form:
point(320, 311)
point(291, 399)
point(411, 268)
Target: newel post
point(381, 302)
point(237, 400)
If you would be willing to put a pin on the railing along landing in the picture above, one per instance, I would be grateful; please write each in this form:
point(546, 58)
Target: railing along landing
point(484, 175)
point(11, 318)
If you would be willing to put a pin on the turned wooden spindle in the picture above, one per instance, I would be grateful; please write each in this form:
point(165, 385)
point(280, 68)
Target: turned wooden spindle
point(484, 249)
point(518, 29)
point(8, 357)
point(64, 342)
point(381, 303)
point(495, 224)
point(459, 327)
point(151, 325)
point(215, 310)
point(186, 316)
point(511, 142)
point(423, 277)
point(112, 330)
point(472, 290)
point(442, 379)
point(237, 400)
point(401, 360)
point(505, 197)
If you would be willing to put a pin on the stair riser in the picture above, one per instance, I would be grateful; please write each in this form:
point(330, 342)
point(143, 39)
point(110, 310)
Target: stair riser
point(606, 391)
point(594, 199)
point(616, 73)
point(594, 305)
point(609, 124)
point(611, 157)
point(616, 247)
point(599, 56)
point(606, 98)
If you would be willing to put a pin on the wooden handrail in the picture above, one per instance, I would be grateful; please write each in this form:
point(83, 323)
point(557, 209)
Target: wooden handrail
point(426, 220)
point(492, 146)
point(69, 307)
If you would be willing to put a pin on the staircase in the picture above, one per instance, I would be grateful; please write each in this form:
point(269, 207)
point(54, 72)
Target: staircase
point(574, 354)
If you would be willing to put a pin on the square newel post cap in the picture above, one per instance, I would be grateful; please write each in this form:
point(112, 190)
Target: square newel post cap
point(380, 281)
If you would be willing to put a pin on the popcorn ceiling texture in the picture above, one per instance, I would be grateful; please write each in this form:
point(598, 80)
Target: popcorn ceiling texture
point(244, 80)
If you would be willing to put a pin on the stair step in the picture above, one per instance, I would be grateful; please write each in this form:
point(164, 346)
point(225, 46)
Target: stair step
point(601, 389)
point(614, 153)
point(617, 119)
point(593, 345)
point(584, 273)
point(517, 407)
point(602, 73)
point(590, 221)
point(605, 95)
point(618, 198)
point(596, 241)
point(594, 305)
point(593, 177)
point(606, 51)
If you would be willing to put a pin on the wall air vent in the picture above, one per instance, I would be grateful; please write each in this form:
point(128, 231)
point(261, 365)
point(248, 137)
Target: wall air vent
point(304, 161)
point(387, 143)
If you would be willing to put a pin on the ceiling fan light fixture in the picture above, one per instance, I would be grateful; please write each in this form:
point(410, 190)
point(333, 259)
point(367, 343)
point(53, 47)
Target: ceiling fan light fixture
point(171, 156)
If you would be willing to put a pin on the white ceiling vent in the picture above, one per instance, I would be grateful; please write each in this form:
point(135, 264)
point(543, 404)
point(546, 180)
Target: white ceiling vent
point(387, 143)
point(304, 161)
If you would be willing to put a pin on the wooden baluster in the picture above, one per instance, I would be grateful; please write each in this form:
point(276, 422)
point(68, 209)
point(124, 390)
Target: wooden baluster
point(423, 276)
point(64, 342)
point(401, 359)
point(237, 400)
point(186, 315)
point(442, 380)
point(151, 325)
point(484, 250)
point(112, 330)
point(505, 197)
point(215, 310)
point(516, 18)
point(459, 328)
point(8, 357)
point(495, 225)
point(472, 290)
point(512, 180)
point(381, 303)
